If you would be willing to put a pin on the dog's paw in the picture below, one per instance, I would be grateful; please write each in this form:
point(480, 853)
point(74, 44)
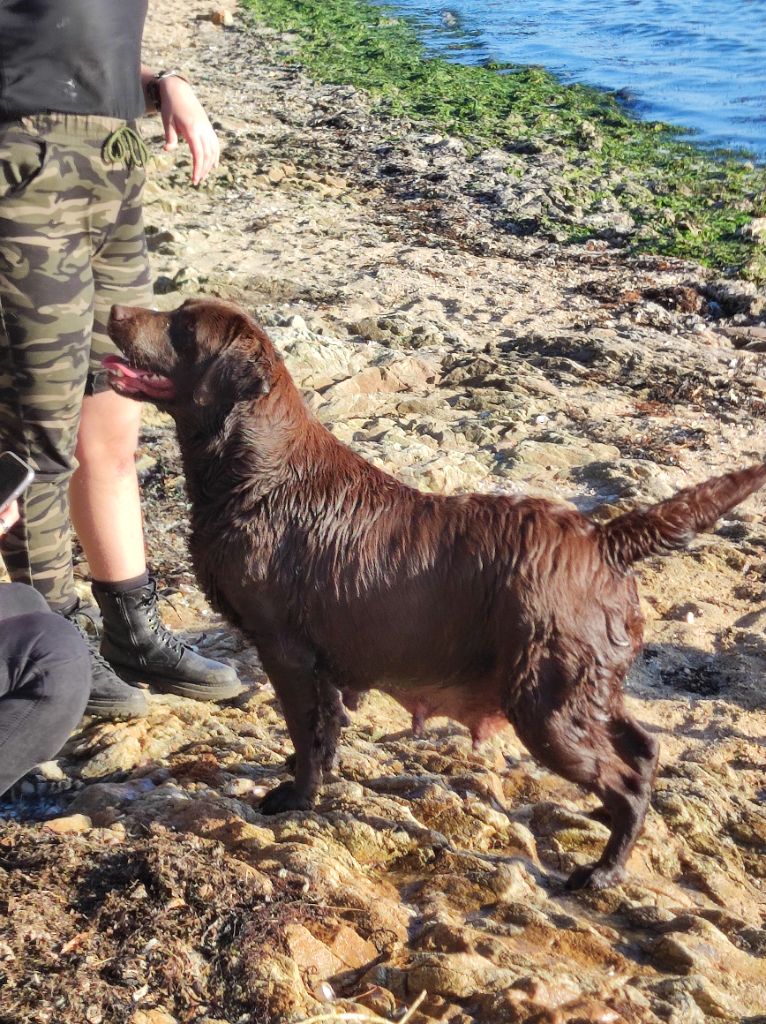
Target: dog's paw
point(285, 797)
point(594, 877)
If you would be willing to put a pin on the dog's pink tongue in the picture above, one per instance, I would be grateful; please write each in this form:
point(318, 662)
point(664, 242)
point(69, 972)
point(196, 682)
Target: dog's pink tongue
point(120, 365)
point(138, 382)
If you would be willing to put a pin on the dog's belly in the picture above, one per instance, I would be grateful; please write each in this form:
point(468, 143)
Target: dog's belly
point(477, 706)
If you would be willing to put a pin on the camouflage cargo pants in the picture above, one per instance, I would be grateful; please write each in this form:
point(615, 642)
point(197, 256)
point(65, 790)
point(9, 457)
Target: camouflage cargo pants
point(71, 244)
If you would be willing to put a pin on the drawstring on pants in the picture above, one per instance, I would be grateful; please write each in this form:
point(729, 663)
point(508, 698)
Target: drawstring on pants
point(125, 146)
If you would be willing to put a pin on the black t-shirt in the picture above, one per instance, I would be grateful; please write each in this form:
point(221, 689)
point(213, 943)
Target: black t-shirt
point(71, 57)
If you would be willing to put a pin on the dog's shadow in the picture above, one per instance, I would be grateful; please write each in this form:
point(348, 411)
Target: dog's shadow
point(727, 675)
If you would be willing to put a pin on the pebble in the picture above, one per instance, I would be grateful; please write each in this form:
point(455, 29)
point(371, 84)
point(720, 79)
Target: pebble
point(72, 824)
point(222, 17)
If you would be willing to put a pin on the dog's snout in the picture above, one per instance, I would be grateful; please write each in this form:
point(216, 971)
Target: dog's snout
point(125, 312)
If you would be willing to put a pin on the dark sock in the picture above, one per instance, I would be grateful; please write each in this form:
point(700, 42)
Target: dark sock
point(122, 586)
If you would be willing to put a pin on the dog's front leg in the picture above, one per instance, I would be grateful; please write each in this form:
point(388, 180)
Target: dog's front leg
point(300, 692)
point(334, 718)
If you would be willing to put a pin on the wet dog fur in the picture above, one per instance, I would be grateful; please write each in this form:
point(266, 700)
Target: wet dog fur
point(487, 609)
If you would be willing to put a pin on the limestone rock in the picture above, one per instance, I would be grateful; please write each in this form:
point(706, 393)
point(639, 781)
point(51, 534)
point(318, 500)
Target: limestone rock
point(72, 824)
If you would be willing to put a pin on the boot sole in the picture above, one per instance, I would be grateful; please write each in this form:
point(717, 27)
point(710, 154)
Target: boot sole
point(208, 692)
point(116, 712)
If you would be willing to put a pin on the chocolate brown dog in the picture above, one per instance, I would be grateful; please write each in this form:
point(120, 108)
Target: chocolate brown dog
point(487, 609)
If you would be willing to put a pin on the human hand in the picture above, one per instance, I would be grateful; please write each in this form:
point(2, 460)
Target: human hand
point(183, 115)
point(9, 514)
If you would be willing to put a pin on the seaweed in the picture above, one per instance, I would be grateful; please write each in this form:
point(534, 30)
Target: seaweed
point(685, 200)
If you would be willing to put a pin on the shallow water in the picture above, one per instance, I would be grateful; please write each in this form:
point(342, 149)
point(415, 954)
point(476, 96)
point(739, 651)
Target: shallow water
point(699, 64)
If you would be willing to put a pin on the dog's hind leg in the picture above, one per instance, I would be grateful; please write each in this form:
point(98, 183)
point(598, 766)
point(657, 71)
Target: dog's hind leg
point(625, 788)
point(612, 757)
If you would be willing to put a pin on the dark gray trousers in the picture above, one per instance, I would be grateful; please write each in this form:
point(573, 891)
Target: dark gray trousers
point(44, 681)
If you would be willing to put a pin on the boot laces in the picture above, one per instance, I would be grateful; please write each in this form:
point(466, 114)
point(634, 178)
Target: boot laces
point(86, 621)
point(157, 626)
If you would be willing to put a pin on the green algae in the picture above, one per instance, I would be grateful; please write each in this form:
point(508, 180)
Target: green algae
point(685, 201)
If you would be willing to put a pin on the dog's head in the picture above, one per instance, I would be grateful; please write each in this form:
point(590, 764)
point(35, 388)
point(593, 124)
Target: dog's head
point(205, 353)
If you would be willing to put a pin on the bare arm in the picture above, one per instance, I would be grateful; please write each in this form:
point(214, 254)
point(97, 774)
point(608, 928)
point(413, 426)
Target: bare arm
point(183, 115)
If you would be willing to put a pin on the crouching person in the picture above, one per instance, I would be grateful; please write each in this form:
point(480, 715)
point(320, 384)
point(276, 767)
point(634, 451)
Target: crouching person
point(45, 677)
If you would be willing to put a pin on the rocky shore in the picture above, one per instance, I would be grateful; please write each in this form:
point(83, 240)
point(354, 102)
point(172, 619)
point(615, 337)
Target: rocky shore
point(459, 353)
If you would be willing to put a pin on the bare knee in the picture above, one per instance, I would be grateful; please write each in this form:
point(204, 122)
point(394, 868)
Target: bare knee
point(108, 435)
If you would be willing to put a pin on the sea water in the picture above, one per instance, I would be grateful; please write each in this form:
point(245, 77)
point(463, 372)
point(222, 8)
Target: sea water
point(697, 64)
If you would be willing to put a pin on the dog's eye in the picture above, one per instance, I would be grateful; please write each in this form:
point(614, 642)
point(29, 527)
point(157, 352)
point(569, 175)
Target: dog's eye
point(181, 334)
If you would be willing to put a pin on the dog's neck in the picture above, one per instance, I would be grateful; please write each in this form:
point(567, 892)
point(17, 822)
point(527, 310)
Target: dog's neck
point(242, 453)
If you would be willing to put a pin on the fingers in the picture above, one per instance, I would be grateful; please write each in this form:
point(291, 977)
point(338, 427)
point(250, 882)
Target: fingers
point(198, 157)
point(184, 116)
point(205, 150)
point(171, 135)
point(9, 515)
point(203, 144)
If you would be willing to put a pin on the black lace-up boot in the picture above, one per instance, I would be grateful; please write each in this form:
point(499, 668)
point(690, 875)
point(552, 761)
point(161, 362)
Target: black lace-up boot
point(139, 647)
point(110, 697)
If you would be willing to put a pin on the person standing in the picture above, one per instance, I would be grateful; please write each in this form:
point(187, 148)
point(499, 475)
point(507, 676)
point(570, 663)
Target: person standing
point(72, 169)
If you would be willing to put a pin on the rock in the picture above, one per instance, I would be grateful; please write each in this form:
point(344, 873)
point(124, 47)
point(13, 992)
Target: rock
point(710, 1000)
point(72, 824)
point(317, 362)
point(736, 297)
point(123, 754)
point(162, 241)
point(276, 174)
point(351, 949)
point(279, 977)
point(456, 975)
point(310, 954)
point(51, 771)
point(676, 995)
point(563, 453)
point(404, 374)
point(699, 947)
point(93, 800)
point(152, 1017)
point(397, 332)
point(379, 1000)
point(223, 18)
point(465, 474)
point(755, 228)
point(589, 137)
point(164, 285)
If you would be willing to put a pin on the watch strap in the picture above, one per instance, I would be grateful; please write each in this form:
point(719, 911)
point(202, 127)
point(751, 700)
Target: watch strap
point(153, 85)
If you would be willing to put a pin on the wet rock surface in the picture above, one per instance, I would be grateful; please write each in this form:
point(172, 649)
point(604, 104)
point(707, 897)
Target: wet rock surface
point(460, 353)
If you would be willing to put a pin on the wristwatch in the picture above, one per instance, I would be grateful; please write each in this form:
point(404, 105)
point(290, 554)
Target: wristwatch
point(153, 86)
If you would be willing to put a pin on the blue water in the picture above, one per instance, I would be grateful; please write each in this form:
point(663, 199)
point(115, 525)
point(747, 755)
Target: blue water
point(699, 64)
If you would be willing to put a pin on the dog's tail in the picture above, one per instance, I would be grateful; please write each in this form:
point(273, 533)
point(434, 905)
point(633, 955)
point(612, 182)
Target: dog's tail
point(673, 523)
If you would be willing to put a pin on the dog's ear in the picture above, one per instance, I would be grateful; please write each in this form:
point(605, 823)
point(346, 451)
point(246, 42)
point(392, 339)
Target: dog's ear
point(242, 370)
point(232, 377)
